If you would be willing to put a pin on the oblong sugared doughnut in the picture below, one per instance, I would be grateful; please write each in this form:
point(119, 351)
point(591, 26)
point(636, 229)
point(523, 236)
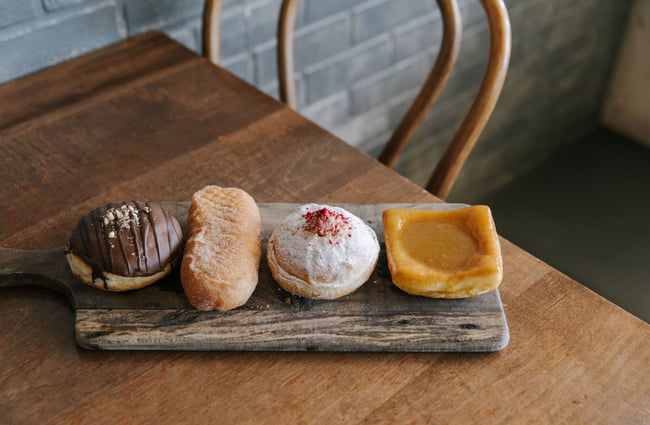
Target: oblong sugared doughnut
point(222, 255)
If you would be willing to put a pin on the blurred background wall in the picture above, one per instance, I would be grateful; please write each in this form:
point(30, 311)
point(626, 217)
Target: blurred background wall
point(360, 62)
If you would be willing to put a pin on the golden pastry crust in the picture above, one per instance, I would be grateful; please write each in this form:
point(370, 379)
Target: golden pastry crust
point(109, 281)
point(220, 264)
point(443, 254)
point(322, 252)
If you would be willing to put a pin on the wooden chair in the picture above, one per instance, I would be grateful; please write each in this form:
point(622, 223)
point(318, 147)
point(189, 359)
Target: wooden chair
point(446, 171)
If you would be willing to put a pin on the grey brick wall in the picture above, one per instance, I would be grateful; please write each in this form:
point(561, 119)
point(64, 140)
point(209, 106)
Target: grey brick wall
point(360, 62)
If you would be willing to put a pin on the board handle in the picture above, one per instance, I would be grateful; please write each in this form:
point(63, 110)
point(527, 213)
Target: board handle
point(45, 268)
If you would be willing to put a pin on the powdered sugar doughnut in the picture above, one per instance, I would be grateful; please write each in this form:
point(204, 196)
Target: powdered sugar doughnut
point(322, 252)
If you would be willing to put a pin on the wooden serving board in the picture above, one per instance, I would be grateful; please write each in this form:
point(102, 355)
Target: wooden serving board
point(376, 317)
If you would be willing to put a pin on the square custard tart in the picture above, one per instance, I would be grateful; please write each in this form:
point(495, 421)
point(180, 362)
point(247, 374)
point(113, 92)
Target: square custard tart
point(443, 254)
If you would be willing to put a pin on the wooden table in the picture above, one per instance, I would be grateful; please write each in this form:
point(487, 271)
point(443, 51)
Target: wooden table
point(148, 119)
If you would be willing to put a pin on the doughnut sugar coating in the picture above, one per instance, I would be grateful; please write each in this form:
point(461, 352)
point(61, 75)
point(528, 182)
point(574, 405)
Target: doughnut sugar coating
point(322, 252)
point(220, 265)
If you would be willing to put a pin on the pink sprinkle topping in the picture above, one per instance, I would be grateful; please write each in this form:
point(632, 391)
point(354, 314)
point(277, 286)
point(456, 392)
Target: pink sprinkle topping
point(326, 222)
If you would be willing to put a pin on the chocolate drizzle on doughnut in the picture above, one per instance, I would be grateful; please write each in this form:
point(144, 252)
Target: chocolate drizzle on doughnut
point(127, 239)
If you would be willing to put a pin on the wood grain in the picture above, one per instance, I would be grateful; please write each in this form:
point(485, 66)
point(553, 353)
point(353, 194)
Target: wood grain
point(377, 317)
point(573, 356)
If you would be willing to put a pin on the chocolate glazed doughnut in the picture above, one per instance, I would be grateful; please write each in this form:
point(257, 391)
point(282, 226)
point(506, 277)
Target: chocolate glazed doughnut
point(123, 246)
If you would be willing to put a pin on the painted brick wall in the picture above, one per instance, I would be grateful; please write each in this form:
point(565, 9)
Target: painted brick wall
point(360, 62)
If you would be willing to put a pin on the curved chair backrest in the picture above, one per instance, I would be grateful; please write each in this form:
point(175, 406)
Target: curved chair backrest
point(211, 30)
point(446, 171)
